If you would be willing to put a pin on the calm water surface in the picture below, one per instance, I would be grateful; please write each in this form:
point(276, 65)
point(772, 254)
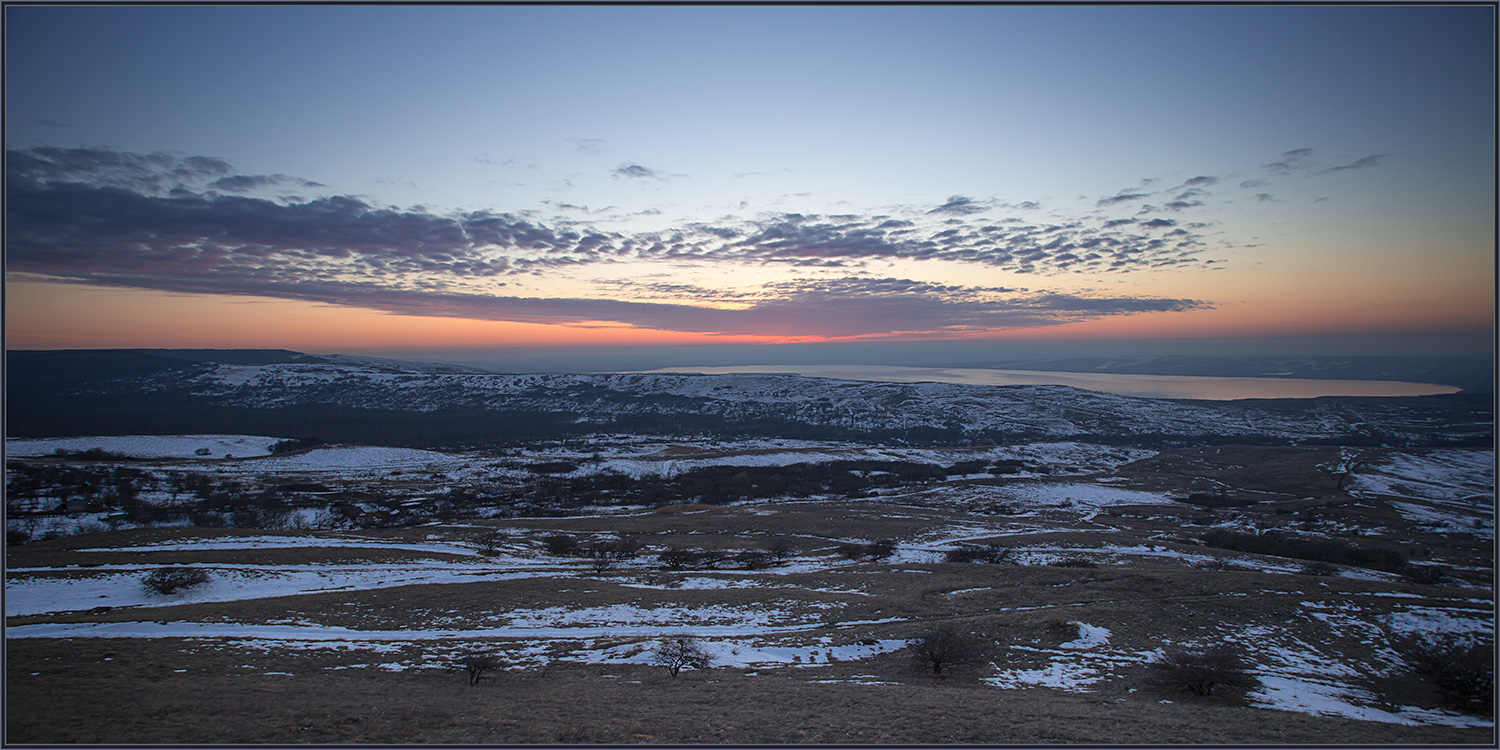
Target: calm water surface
point(1154, 386)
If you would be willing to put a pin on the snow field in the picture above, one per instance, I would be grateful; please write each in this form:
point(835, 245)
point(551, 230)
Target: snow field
point(148, 446)
point(1442, 476)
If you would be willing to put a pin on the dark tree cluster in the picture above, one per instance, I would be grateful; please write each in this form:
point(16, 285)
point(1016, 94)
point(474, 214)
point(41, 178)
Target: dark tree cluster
point(292, 445)
point(969, 552)
point(1283, 544)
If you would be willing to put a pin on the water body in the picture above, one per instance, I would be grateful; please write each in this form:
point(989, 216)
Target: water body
point(1151, 386)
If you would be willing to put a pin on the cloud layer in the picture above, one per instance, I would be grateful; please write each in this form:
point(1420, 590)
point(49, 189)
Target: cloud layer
point(190, 224)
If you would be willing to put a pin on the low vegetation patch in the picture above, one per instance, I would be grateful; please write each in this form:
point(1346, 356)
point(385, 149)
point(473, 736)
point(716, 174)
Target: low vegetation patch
point(173, 580)
point(1285, 544)
point(1200, 671)
point(1462, 671)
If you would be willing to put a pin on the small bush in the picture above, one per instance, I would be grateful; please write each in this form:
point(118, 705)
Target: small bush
point(677, 558)
point(876, 550)
point(489, 542)
point(851, 550)
point(1200, 670)
point(1074, 562)
point(1321, 569)
point(1427, 575)
point(605, 554)
point(681, 651)
point(1463, 672)
point(560, 544)
point(981, 553)
point(944, 648)
point(172, 580)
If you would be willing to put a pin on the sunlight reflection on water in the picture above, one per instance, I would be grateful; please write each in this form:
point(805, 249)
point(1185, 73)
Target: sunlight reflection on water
point(1151, 386)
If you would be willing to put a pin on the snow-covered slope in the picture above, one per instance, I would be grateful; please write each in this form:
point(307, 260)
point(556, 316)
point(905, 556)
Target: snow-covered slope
point(783, 404)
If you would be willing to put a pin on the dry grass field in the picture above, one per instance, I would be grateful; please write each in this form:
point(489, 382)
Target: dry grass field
point(352, 636)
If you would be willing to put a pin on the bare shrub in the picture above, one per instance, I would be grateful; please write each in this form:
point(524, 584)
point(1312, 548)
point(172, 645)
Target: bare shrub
point(779, 548)
point(876, 550)
point(1074, 562)
point(753, 559)
point(1200, 670)
point(489, 542)
point(681, 651)
point(944, 648)
point(1321, 569)
point(1462, 671)
point(969, 552)
point(1427, 575)
point(677, 558)
point(172, 580)
point(560, 544)
point(604, 555)
point(476, 664)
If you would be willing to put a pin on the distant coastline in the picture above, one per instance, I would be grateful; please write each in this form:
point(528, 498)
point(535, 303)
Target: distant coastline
point(1150, 386)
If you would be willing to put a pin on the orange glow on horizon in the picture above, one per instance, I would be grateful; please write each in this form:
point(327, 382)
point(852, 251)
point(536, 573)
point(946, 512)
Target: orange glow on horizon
point(59, 316)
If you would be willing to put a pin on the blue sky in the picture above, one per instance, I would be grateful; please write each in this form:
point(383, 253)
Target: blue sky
point(813, 174)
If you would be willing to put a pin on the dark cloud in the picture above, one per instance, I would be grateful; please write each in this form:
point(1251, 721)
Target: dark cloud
point(1264, 197)
point(177, 223)
point(1201, 181)
point(959, 204)
point(1121, 197)
point(1178, 205)
point(636, 171)
point(1296, 160)
point(1252, 183)
point(148, 173)
point(1372, 160)
point(244, 183)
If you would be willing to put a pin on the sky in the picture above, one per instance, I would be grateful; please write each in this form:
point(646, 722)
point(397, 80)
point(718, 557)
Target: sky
point(891, 183)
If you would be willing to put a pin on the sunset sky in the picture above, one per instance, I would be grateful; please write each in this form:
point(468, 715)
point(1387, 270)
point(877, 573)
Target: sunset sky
point(467, 182)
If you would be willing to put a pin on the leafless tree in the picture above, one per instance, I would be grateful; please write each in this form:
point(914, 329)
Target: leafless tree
point(943, 648)
point(477, 663)
point(780, 549)
point(677, 652)
point(489, 542)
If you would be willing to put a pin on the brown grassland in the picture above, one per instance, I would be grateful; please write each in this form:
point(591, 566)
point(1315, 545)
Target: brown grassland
point(1143, 581)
